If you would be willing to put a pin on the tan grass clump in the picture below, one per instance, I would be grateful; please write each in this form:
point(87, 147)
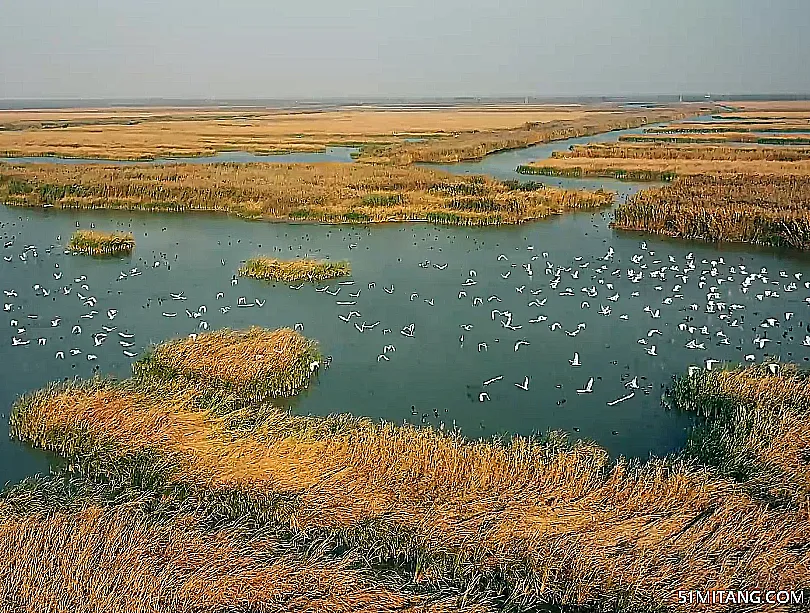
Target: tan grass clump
point(93, 242)
point(273, 269)
point(255, 364)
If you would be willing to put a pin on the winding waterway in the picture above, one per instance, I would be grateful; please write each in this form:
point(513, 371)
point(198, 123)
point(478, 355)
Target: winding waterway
point(561, 302)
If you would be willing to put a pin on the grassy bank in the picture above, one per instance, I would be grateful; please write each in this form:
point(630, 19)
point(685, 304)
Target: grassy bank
point(639, 169)
point(597, 168)
point(92, 242)
point(727, 137)
point(324, 192)
point(753, 427)
point(661, 151)
point(763, 210)
point(314, 271)
point(520, 521)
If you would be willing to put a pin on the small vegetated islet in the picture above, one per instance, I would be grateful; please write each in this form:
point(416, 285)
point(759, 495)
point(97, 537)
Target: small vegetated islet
point(93, 242)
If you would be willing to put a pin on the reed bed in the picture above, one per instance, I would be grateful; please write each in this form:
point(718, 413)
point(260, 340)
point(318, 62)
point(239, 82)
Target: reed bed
point(525, 521)
point(93, 242)
point(753, 426)
point(764, 210)
point(638, 169)
point(324, 192)
point(255, 364)
point(302, 269)
point(661, 151)
point(106, 560)
point(475, 145)
point(727, 137)
point(708, 127)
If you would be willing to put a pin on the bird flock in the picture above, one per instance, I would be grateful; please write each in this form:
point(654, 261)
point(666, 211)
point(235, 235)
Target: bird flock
point(510, 326)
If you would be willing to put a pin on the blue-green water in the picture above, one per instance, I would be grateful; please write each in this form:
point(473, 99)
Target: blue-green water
point(331, 154)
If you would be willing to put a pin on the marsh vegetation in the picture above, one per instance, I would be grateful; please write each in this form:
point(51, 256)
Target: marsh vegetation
point(302, 269)
point(327, 192)
point(505, 522)
point(764, 210)
point(93, 242)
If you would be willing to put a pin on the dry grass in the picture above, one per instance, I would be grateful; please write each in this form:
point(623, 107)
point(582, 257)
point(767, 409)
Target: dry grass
point(719, 127)
point(658, 151)
point(255, 364)
point(273, 269)
point(150, 133)
point(754, 428)
point(475, 145)
point(533, 522)
point(765, 210)
point(331, 193)
point(638, 169)
point(726, 137)
point(106, 560)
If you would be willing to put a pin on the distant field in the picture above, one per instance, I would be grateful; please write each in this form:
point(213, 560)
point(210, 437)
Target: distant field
point(149, 133)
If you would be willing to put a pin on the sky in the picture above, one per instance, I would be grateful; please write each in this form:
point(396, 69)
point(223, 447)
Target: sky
point(309, 49)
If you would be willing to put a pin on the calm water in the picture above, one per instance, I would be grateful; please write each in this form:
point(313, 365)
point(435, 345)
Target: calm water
point(511, 302)
point(332, 154)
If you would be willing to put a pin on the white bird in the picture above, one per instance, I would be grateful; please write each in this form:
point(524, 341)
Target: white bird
point(111, 313)
point(169, 314)
point(761, 342)
point(622, 399)
point(76, 330)
point(519, 343)
point(129, 354)
point(493, 380)
point(407, 330)
point(588, 387)
point(525, 385)
point(575, 361)
point(633, 383)
point(710, 363)
point(60, 355)
point(483, 397)
point(651, 350)
point(482, 345)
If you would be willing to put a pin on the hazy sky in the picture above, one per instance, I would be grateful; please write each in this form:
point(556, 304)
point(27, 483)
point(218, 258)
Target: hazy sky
point(369, 48)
